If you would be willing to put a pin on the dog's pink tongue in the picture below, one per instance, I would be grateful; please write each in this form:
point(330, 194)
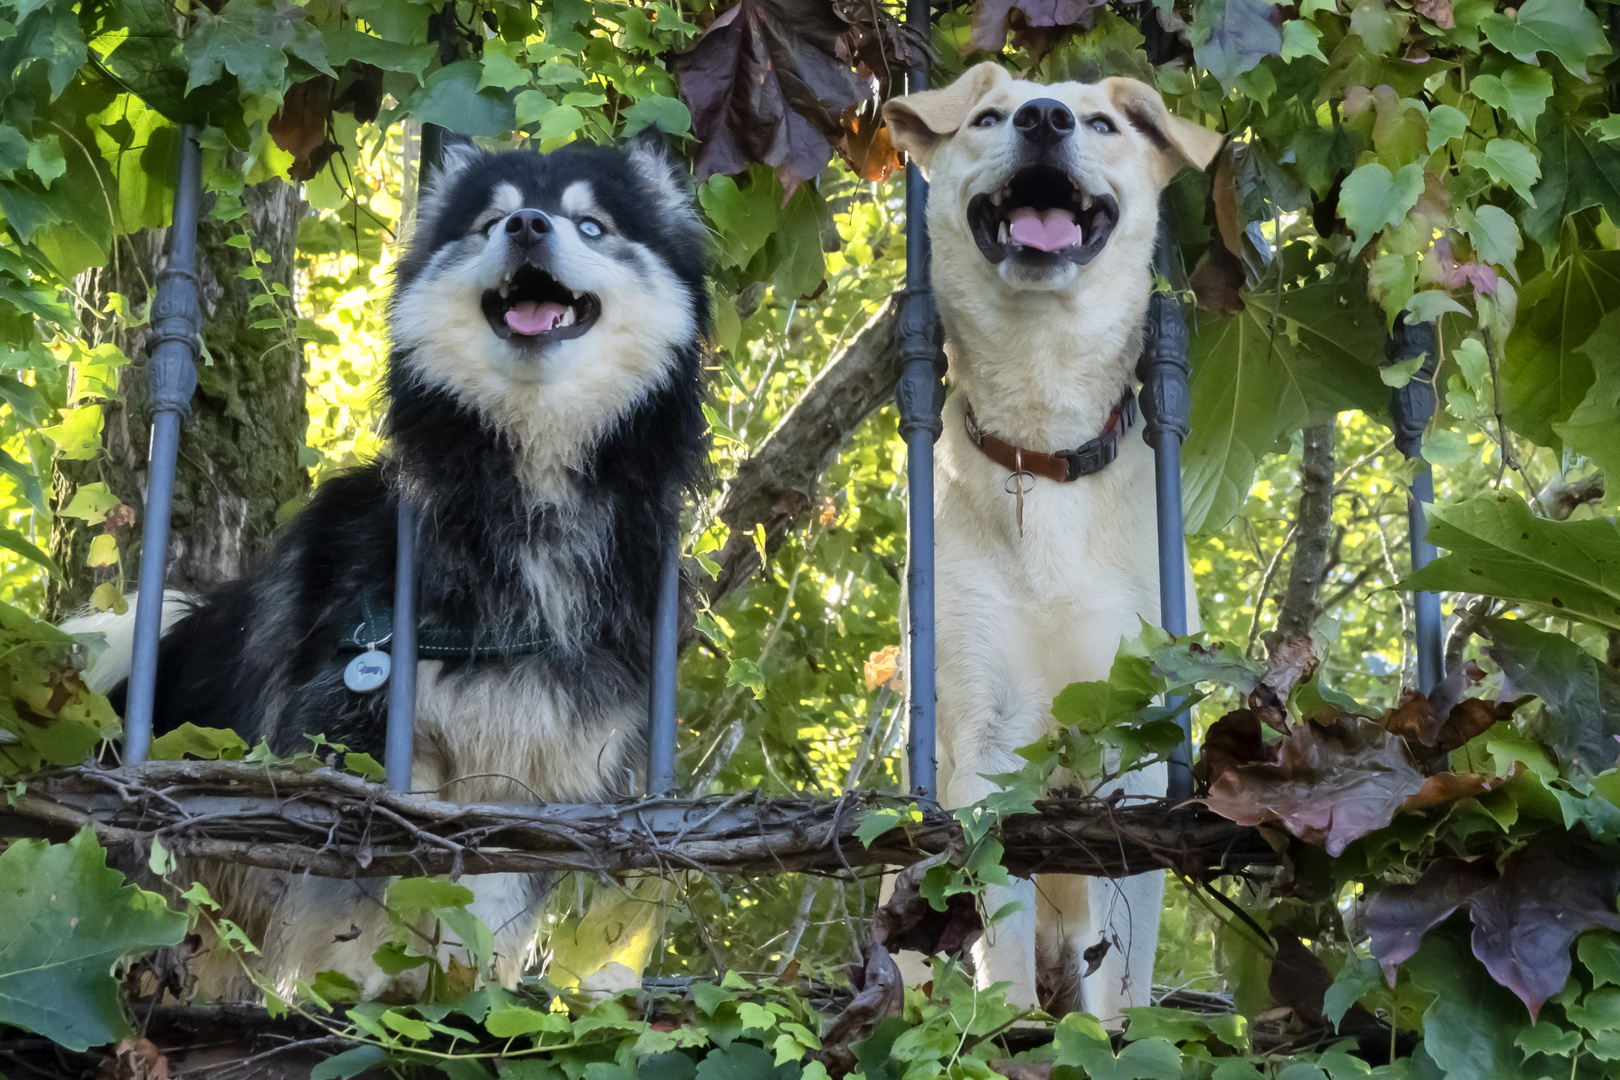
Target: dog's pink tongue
point(533, 317)
point(1046, 230)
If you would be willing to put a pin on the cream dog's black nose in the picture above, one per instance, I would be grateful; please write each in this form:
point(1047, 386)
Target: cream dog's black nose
point(527, 227)
point(1044, 121)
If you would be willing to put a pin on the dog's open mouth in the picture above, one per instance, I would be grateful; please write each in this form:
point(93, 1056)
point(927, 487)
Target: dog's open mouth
point(531, 306)
point(1042, 210)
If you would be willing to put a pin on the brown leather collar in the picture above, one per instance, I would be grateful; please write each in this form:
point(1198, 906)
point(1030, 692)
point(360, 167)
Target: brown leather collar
point(1063, 465)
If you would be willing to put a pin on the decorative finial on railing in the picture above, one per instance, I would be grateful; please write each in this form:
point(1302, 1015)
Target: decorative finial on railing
point(1411, 406)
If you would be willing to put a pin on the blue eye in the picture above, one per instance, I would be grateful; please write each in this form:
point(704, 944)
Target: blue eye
point(590, 228)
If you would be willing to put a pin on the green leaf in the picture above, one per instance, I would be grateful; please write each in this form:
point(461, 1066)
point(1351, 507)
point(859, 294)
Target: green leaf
point(1581, 692)
point(1497, 547)
point(1231, 37)
point(252, 39)
point(560, 121)
point(1547, 1037)
point(1520, 90)
point(1257, 379)
point(79, 434)
point(346, 44)
point(12, 540)
point(1471, 1024)
point(349, 1063)
point(1591, 427)
point(517, 1020)
point(1447, 449)
point(1544, 374)
point(1493, 232)
point(450, 98)
point(1566, 28)
point(1577, 171)
point(1429, 304)
point(366, 765)
point(206, 744)
point(502, 72)
point(92, 502)
point(69, 918)
point(46, 160)
point(1373, 197)
point(1445, 124)
point(1301, 38)
point(1508, 162)
point(743, 672)
point(1600, 952)
point(1358, 975)
point(1081, 1041)
point(668, 114)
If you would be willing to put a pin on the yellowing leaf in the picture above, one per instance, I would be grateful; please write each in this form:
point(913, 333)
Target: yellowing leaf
point(103, 551)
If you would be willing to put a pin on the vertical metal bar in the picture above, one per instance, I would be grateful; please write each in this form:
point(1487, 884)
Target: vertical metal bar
point(402, 652)
point(1166, 401)
point(1410, 408)
point(171, 377)
point(920, 394)
point(661, 684)
point(399, 748)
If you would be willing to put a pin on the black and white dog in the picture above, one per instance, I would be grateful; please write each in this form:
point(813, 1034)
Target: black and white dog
point(544, 416)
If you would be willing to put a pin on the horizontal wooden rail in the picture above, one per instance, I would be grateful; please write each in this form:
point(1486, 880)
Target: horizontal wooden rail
point(334, 824)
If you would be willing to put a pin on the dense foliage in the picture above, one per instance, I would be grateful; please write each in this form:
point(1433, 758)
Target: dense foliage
point(1457, 161)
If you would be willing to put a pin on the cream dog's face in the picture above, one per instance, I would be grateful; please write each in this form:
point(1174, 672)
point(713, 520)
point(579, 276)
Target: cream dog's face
point(1044, 180)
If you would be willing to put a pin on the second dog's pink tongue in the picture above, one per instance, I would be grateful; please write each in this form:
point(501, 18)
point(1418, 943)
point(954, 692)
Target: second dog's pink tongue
point(1046, 230)
point(532, 317)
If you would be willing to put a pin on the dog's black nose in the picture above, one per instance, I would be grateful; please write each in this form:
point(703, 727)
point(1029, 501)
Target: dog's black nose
point(1044, 121)
point(528, 227)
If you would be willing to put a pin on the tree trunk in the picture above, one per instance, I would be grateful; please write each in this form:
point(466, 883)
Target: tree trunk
point(239, 450)
point(1313, 537)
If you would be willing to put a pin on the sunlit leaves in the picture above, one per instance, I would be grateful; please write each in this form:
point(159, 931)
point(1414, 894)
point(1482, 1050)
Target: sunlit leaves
point(452, 98)
point(1497, 547)
point(69, 917)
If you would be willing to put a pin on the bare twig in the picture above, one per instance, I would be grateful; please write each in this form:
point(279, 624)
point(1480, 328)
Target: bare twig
point(1314, 520)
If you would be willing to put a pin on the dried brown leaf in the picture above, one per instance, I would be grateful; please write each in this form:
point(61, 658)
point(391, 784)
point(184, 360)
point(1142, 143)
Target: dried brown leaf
point(1327, 784)
point(907, 921)
point(866, 146)
point(301, 127)
point(134, 1059)
point(1231, 741)
point(1448, 787)
point(765, 83)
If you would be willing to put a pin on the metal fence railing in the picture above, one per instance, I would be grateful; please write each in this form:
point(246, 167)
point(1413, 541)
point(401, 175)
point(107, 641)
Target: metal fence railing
point(1164, 371)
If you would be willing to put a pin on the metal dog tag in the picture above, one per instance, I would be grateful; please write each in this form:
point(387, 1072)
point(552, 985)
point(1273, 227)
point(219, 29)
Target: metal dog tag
point(367, 671)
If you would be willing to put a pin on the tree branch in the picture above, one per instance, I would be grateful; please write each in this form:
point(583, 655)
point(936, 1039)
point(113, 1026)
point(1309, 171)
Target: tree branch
point(336, 825)
point(772, 488)
point(1315, 535)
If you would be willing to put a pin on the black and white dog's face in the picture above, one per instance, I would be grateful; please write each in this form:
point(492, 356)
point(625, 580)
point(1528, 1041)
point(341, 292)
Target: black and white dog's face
point(546, 289)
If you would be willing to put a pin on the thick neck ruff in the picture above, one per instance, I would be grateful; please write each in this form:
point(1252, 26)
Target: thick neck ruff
point(1063, 466)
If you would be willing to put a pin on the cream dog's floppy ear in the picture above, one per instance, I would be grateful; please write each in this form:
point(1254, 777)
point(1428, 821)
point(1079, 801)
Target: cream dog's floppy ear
point(1180, 142)
point(917, 121)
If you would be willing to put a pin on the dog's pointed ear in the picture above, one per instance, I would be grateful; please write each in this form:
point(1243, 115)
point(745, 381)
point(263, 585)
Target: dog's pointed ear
point(457, 154)
point(918, 121)
point(1180, 142)
point(666, 181)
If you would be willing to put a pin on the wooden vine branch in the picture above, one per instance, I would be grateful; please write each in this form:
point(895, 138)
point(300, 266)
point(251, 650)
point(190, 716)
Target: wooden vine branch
point(333, 824)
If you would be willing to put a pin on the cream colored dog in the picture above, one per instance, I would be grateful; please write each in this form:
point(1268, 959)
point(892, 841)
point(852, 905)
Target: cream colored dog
point(1043, 206)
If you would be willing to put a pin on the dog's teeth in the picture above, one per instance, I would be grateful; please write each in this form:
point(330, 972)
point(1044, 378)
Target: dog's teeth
point(503, 288)
point(1001, 234)
point(567, 318)
point(995, 199)
point(1085, 200)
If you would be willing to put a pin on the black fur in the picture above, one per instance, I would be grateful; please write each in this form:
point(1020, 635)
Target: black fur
point(259, 654)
